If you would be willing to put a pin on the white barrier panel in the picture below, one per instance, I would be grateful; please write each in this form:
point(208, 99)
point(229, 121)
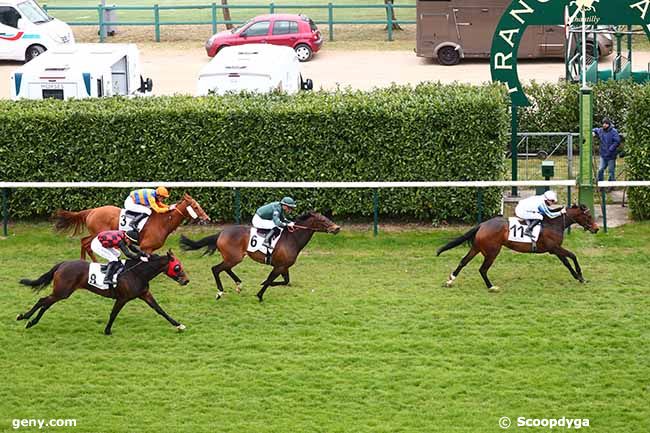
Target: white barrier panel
point(622, 183)
point(423, 184)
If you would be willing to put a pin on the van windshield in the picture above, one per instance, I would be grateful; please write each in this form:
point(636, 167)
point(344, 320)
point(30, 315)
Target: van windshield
point(33, 12)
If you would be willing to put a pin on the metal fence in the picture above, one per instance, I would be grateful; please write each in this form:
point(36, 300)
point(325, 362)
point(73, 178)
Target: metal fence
point(236, 186)
point(215, 20)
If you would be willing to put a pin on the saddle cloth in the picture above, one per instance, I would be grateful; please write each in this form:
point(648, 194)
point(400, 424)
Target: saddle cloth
point(97, 272)
point(516, 231)
point(126, 217)
point(256, 239)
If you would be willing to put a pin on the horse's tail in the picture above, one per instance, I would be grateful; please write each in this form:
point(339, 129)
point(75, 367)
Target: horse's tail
point(467, 237)
point(43, 281)
point(65, 220)
point(210, 242)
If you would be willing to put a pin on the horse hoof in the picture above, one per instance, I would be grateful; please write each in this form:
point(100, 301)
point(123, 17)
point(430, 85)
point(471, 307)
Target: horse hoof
point(449, 283)
point(238, 288)
point(181, 328)
point(19, 317)
point(218, 295)
point(260, 299)
point(107, 332)
point(494, 289)
point(29, 325)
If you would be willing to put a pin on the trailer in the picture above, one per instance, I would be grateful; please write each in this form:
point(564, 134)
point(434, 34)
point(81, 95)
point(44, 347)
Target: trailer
point(256, 68)
point(82, 71)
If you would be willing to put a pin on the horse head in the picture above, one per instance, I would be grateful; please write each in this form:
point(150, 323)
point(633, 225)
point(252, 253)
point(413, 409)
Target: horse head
point(175, 270)
point(189, 208)
point(317, 222)
point(582, 216)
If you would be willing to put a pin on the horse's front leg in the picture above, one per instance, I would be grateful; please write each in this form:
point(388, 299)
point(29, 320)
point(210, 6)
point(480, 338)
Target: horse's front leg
point(564, 253)
point(269, 280)
point(151, 301)
point(285, 280)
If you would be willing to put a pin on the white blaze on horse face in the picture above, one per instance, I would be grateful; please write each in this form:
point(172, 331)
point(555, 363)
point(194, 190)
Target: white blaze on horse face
point(191, 212)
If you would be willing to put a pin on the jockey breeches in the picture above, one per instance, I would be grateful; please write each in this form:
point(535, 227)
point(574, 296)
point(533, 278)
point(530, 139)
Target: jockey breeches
point(262, 223)
point(130, 205)
point(110, 254)
point(528, 214)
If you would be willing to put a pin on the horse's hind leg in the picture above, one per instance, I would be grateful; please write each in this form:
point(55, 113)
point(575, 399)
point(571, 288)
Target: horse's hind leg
point(85, 248)
point(487, 262)
point(235, 278)
point(216, 270)
point(29, 313)
point(47, 303)
point(468, 258)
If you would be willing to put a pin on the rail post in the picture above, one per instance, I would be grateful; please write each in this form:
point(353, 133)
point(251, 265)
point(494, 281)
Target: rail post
point(237, 206)
point(389, 20)
point(569, 144)
point(479, 205)
point(156, 21)
point(5, 211)
point(271, 8)
point(214, 18)
point(330, 20)
point(102, 29)
point(603, 206)
point(375, 211)
point(514, 127)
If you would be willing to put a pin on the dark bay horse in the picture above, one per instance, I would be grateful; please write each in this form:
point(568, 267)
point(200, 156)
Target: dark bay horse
point(232, 243)
point(153, 234)
point(131, 283)
point(488, 237)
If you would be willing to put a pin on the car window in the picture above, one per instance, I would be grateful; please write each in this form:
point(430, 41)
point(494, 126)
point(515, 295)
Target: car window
point(285, 27)
point(9, 16)
point(258, 29)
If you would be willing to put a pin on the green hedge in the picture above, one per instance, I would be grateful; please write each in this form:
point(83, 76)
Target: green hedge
point(637, 148)
point(431, 132)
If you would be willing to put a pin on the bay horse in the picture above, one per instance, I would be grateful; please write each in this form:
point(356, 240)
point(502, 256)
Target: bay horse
point(153, 234)
point(488, 237)
point(233, 241)
point(132, 283)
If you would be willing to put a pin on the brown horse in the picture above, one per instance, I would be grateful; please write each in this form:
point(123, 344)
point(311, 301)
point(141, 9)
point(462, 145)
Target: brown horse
point(152, 236)
point(132, 283)
point(488, 237)
point(233, 241)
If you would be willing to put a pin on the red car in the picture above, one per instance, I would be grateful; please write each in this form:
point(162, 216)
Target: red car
point(296, 31)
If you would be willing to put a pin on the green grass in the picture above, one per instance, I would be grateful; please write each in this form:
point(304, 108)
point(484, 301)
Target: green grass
point(364, 340)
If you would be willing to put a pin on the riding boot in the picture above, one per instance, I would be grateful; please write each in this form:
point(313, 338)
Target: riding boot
point(136, 220)
point(531, 225)
point(270, 236)
point(111, 268)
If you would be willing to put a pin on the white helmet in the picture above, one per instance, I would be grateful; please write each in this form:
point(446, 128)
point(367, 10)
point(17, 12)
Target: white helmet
point(550, 196)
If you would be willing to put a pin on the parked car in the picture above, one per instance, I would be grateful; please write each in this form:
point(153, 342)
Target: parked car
point(296, 31)
point(26, 30)
point(257, 68)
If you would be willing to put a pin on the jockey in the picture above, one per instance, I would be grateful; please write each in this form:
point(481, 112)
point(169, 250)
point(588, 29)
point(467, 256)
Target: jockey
point(142, 201)
point(108, 245)
point(533, 209)
point(272, 217)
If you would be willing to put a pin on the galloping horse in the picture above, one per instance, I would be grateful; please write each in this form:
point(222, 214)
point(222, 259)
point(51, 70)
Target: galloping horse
point(132, 283)
point(152, 236)
point(489, 236)
point(233, 241)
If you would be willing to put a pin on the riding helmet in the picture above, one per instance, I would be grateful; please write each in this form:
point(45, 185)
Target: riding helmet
point(288, 201)
point(161, 191)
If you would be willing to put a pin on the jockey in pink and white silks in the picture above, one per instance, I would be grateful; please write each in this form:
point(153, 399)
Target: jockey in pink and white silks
point(533, 209)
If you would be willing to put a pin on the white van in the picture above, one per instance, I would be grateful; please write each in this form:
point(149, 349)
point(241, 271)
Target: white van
point(26, 30)
point(258, 68)
point(81, 71)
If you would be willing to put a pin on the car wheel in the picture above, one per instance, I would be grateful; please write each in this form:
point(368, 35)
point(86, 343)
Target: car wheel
point(448, 56)
point(33, 51)
point(304, 52)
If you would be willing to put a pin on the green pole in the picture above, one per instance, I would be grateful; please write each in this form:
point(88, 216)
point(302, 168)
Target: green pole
point(375, 211)
point(102, 30)
point(156, 21)
point(237, 206)
point(479, 202)
point(271, 8)
point(514, 128)
point(5, 211)
point(586, 177)
point(603, 206)
point(330, 20)
point(389, 21)
point(214, 18)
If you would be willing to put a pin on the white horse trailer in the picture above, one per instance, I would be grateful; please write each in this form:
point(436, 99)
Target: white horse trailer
point(257, 68)
point(81, 71)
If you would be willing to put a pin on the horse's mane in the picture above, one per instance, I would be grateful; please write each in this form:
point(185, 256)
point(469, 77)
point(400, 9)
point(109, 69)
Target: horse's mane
point(305, 216)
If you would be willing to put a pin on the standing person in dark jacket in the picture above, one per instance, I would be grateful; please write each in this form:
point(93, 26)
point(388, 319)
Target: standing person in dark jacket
point(609, 142)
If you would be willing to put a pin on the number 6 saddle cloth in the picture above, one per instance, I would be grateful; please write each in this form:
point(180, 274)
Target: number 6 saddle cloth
point(97, 272)
point(516, 228)
point(256, 239)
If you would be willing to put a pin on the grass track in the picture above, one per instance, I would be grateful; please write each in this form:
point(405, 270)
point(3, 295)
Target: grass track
point(365, 340)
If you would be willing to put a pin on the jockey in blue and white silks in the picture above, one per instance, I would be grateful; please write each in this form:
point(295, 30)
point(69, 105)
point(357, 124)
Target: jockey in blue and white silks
point(533, 209)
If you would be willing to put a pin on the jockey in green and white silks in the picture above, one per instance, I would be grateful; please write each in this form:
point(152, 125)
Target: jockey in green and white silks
point(272, 217)
point(533, 209)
